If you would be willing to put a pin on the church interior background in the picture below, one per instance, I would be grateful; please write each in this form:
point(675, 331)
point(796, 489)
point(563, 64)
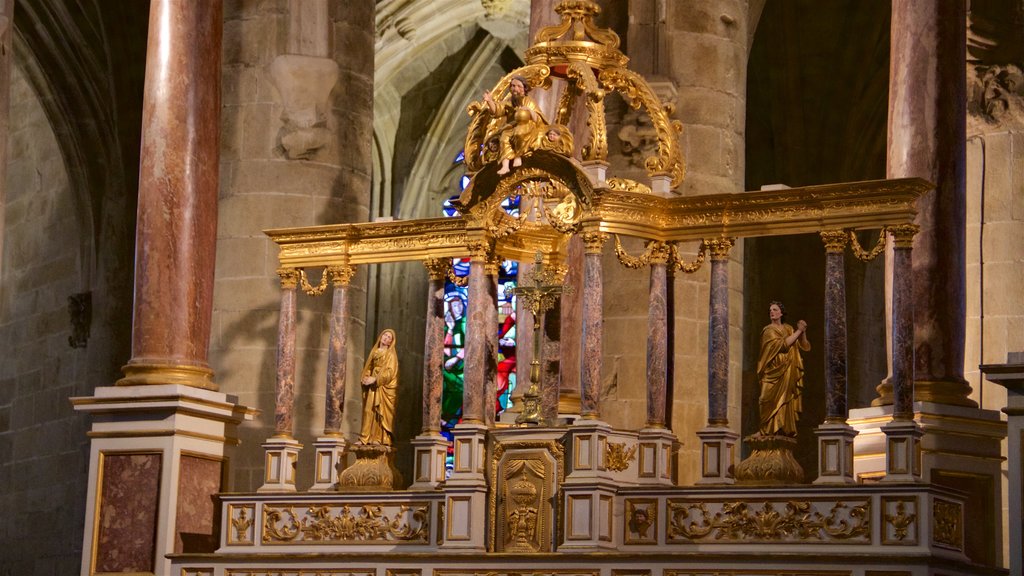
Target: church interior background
point(211, 210)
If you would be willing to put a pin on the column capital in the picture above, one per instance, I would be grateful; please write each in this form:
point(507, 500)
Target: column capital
point(835, 240)
point(480, 249)
point(903, 234)
point(437, 268)
point(341, 275)
point(289, 278)
point(658, 252)
point(593, 242)
point(719, 247)
point(492, 265)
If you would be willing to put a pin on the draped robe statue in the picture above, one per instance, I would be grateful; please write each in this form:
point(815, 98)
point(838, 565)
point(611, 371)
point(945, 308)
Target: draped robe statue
point(379, 380)
point(780, 370)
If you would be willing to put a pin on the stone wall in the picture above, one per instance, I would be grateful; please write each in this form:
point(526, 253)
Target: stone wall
point(43, 446)
point(266, 185)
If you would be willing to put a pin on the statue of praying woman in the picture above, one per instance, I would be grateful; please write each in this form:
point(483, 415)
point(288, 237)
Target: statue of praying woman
point(379, 381)
point(780, 370)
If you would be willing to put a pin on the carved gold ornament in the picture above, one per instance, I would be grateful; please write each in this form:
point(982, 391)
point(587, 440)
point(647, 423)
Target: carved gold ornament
point(677, 262)
point(947, 527)
point(345, 523)
point(903, 234)
point(627, 185)
point(762, 522)
point(241, 524)
point(834, 240)
point(900, 521)
point(641, 516)
point(313, 290)
point(862, 254)
point(617, 457)
point(289, 278)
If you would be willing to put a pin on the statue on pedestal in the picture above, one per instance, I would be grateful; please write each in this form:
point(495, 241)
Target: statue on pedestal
point(780, 371)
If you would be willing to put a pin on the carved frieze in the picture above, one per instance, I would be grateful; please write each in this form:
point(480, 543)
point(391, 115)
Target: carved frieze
point(803, 521)
point(947, 524)
point(242, 520)
point(899, 521)
point(346, 523)
point(641, 523)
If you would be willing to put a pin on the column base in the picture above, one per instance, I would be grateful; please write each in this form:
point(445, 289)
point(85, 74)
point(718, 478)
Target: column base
point(330, 460)
point(151, 374)
point(902, 451)
point(949, 392)
point(470, 447)
point(429, 454)
point(282, 456)
point(655, 462)
point(718, 455)
point(835, 453)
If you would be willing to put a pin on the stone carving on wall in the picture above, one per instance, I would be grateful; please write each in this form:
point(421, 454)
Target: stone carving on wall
point(641, 521)
point(637, 134)
point(304, 85)
point(347, 523)
point(80, 310)
point(996, 96)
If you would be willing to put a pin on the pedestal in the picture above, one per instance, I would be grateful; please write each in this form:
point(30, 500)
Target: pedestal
point(600, 460)
point(835, 454)
point(330, 460)
point(282, 456)
point(656, 456)
point(466, 490)
point(718, 454)
point(902, 451)
point(157, 458)
point(429, 454)
point(770, 462)
point(373, 471)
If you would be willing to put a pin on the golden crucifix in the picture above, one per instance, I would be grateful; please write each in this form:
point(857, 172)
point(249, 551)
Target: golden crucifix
point(538, 297)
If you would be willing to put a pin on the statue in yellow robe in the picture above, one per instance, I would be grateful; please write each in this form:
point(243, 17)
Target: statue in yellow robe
point(516, 120)
point(380, 386)
point(780, 370)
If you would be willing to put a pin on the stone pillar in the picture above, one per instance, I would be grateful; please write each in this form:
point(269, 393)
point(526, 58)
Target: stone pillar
point(176, 231)
point(430, 447)
point(330, 447)
point(477, 327)
point(570, 334)
point(491, 342)
point(902, 447)
point(6, 34)
point(1011, 376)
point(593, 326)
point(835, 436)
point(282, 451)
point(718, 441)
point(657, 336)
point(927, 107)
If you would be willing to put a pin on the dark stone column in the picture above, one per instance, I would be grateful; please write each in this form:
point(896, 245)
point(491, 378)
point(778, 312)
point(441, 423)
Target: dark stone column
point(433, 346)
point(593, 326)
point(903, 310)
point(284, 389)
point(337, 349)
point(657, 337)
point(927, 107)
point(835, 326)
point(176, 232)
point(477, 325)
point(718, 333)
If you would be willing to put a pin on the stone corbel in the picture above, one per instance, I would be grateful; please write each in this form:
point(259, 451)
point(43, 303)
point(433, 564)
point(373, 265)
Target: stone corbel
point(304, 85)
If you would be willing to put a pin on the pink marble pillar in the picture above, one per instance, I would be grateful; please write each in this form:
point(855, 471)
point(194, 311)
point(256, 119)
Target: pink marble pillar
point(284, 390)
point(718, 332)
point(835, 326)
point(570, 333)
point(478, 325)
point(176, 231)
point(657, 336)
point(927, 106)
point(433, 346)
point(337, 348)
point(491, 350)
point(593, 325)
point(903, 310)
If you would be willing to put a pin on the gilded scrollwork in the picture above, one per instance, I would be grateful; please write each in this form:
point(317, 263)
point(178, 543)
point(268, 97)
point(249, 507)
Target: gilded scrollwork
point(743, 521)
point(617, 456)
point(348, 523)
point(627, 185)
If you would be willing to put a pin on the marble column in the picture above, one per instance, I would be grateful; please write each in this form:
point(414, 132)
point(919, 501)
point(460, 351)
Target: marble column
point(282, 451)
point(927, 139)
point(718, 441)
point(657, 336)
point(341, 277)
point(593, 326)
point(835, 325)
point(718, 333)
point(491, 349)
point(433, 345)
point(176, 230)
point(478, 325)
point(430, 447)
point(902, 434)
point(570, 333)
point(330, 447)
point(835, 436)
